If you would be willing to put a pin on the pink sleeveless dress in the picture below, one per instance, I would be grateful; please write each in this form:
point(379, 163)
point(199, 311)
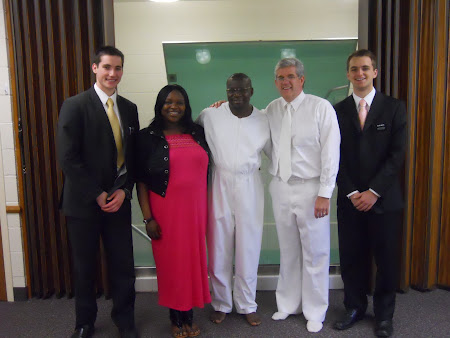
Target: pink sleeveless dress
point(180, 254)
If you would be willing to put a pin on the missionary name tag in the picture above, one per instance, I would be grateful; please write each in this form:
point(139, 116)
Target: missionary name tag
point(381, 126)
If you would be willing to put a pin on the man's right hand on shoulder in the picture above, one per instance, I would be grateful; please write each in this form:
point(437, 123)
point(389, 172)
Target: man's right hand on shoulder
point(217, 104)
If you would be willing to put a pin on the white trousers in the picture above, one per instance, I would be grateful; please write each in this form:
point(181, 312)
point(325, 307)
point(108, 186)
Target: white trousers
point(235, 225)
point(304, 249)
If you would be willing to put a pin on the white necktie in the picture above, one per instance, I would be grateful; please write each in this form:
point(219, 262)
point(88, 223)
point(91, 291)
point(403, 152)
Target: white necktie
point(115, 126)
point(284, 149)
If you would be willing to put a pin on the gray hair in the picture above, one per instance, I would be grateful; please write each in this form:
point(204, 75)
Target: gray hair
point(289, 62)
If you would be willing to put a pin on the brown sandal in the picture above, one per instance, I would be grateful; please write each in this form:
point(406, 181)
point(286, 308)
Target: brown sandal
point(191, 330)
point(178, 332)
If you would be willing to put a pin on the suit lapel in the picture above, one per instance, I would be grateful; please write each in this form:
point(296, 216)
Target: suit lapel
point(95, 101)
point(375, 110)
point(124, 121)
point(350, 107)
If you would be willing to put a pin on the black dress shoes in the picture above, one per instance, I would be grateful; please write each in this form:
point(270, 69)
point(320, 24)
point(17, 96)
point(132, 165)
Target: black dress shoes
point(86, 331)
point(349, 319)
point(384, 328)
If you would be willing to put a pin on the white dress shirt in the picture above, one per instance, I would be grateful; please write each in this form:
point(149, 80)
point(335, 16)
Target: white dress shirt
point(315, 139)
point(368, 98)
point(104, 98)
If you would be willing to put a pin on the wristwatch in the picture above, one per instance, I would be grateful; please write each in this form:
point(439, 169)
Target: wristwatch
point(148, 220)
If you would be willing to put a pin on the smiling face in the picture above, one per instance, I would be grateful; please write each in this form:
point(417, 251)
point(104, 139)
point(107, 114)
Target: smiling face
point(173, 108)
point(361, 74)
point(288, 83)
point(239, 92)
point(108, 73)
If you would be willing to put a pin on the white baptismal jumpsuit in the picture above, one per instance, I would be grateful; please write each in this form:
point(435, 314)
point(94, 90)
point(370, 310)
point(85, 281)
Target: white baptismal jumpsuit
point(236, 204)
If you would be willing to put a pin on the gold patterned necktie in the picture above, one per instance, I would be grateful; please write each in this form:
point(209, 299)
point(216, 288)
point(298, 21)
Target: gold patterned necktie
point(284, 150)
point(362, 112)
point(115, 126)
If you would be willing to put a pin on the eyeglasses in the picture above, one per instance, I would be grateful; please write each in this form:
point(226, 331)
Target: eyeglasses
point(237, 90)
point(289, 77)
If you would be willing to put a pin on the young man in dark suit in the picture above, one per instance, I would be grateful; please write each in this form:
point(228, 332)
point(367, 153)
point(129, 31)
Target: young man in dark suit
point(373, 142)
point(95, 141)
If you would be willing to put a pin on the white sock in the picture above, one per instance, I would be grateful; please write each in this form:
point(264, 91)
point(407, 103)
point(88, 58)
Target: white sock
point(280, 315)
point(313, 326)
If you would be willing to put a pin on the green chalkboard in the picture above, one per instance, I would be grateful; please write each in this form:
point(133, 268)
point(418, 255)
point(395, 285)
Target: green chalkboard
point(325, 72)
point(324, 62)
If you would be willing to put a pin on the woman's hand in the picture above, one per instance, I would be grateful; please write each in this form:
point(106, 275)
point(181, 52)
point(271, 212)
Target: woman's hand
point(153, 230)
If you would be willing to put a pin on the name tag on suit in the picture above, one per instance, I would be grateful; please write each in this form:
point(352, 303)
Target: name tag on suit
point(381, 127)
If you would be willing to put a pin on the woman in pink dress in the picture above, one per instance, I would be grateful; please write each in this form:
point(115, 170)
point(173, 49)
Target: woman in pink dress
point(172, 164)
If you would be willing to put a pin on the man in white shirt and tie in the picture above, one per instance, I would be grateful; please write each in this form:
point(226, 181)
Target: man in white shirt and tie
point(305, 161)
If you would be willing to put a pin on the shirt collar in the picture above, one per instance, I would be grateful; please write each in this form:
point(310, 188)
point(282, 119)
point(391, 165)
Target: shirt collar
point(104, 97)
point(368, 98)
point(295, 102)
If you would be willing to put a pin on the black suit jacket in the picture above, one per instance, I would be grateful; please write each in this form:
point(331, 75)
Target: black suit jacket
point(372, 158)
point(153, 158)
point(87, 152)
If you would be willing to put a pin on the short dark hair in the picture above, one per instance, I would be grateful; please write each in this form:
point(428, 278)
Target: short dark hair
point(361, 53)
point(240, 77)
point(107, 50)
point(158, 121)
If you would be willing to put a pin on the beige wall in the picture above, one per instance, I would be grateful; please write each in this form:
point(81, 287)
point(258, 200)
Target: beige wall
point(141, 27)
point(10, 224)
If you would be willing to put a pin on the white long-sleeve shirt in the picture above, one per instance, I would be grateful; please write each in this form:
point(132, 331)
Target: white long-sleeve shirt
point(236, 143)
point(315, 139)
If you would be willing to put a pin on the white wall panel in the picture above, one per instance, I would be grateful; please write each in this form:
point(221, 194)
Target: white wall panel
point(142, 27)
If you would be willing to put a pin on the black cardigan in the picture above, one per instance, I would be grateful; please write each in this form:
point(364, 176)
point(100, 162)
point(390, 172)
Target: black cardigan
point(152, 156)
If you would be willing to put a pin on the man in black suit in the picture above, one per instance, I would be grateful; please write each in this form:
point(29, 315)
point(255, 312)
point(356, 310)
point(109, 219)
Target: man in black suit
point(95, 141)
point(373, 141)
